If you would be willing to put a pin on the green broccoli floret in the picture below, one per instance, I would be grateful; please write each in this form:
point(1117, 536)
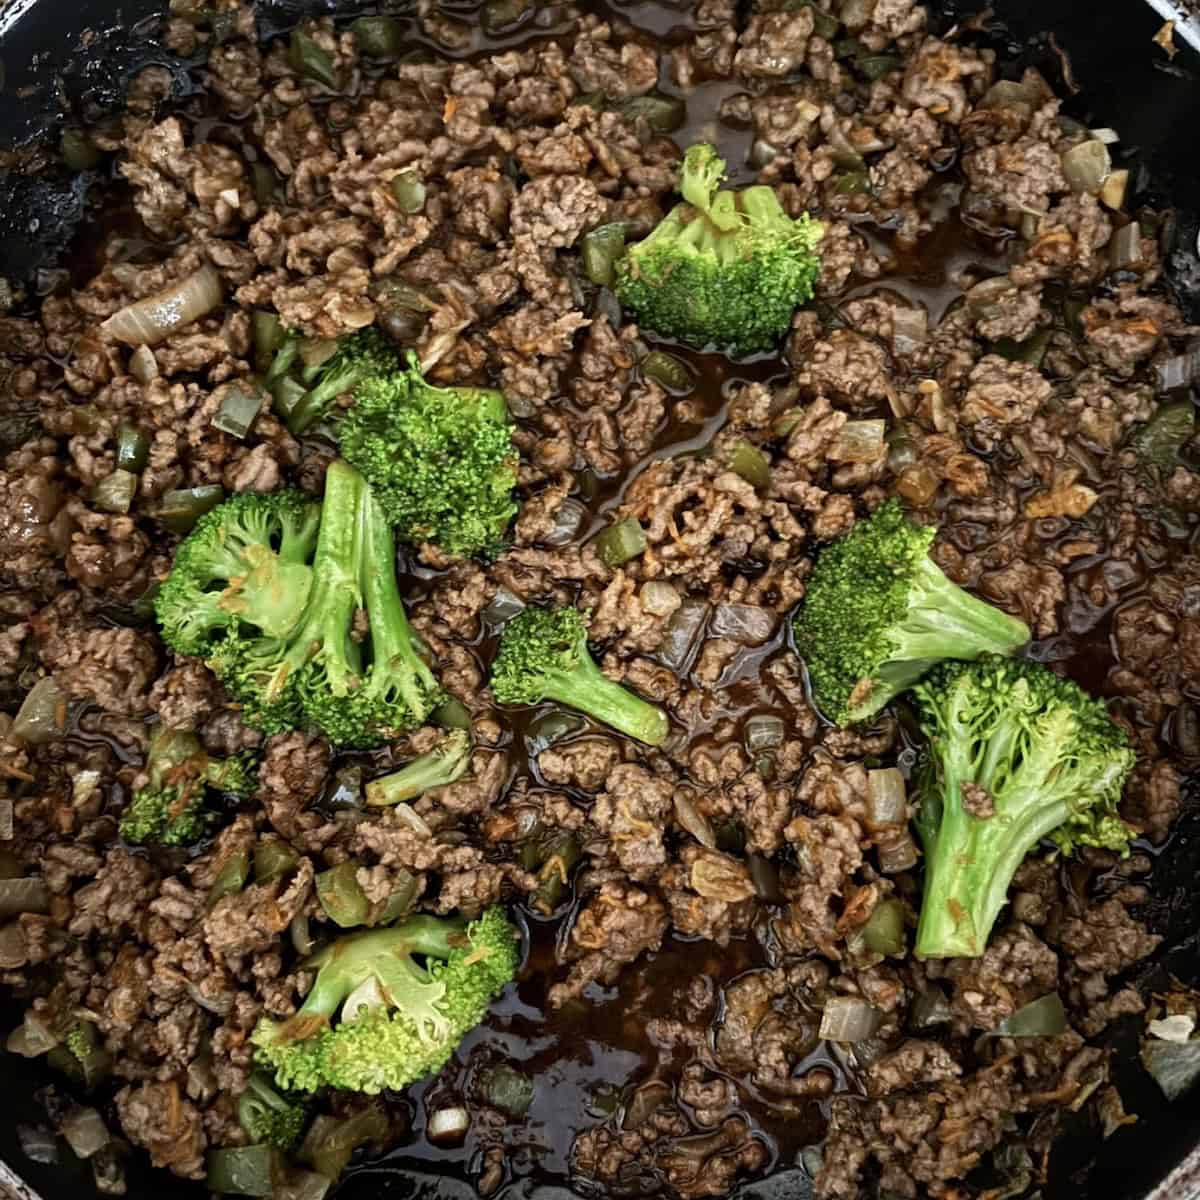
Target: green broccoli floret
point(357, 357)
point(390, 1006)
point(267, 1118)
point(246, 563)
point(1016, 754)
point(440, 460)
point(319, 671)
point(445, 763)
point(170, 809)
point(879, 613)
point(544, 656)
point(724, 268)
point(395, 689)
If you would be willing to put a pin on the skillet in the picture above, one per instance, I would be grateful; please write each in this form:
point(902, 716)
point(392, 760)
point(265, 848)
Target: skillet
point(1122, 80)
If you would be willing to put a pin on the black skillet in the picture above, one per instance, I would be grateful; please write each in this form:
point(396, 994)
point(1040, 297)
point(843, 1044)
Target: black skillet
point(1124, 81)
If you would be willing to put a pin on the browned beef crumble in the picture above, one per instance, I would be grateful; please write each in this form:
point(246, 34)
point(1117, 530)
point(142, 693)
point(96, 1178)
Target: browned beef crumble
point(747, 876)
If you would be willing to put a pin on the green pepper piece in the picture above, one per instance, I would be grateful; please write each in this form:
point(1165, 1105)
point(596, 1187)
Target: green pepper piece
point(502, 16)
point(231, 878)
point(243, 1170)
point(306, 58)
point(79, 152)
point(884, 930)
point(620, 542)
point(409, 191)
point(238, 412)
point(600, 250)
point(344, 902)
point(664, 114)
point(378, 37)
point(114, 493)
point(669, 371)
point(180, 510)
point(751, 464)
point(558, 861)
point(133, 449)
point(273, 860)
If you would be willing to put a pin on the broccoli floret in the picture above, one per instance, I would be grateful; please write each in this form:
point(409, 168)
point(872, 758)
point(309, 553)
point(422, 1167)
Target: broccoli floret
point(170, 810)
point(357, 357)
point(246, 563)
point(544, 656)
point(440, 460)
point(320, 672)
point(445, 763)
point(378, 1016)
point(1016, 754)
point(266, 1117)
point(879, 613)
point(723, 268)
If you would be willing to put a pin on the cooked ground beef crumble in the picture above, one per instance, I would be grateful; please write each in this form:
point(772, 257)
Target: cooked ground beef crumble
point(720, 888)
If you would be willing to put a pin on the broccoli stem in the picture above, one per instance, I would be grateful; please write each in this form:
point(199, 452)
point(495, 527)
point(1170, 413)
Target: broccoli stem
point(335, 593)
point(588, 689)
point(442, 765)
point(397, 663)
point(311, 407)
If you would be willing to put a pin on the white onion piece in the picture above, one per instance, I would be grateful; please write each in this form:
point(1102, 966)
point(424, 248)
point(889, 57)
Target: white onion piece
point(504, 606)
point(849, 1019)
point(143, 366)
point(887, 801)
point(38, 719)
point(683, 629)
point(151, 320)
point(1086, 166)
point(764, 731)
point(31, 1038)
point(411, 818)
point(85, 1132)
point(38, 1144)
point(659, 598)
point(1110, 137)
point(858, 441)
point(447, 1125)
point(693, 820)
point(747, 624)
point(568, 520)
point(1177, 1028)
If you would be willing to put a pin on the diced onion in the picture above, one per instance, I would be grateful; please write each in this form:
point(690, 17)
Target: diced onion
point(896, 850)
point(884, 930)
point(40, 717)
point(32, 1038)
point(1174, 1066)
point(693, 820)
point(659, 598)
point(1044, 1017)
point(447, 1126)
point(410, 817)
point(764, 731)
point(747, 624)
point(849, 1019)
point(504, 606)
point(1110, 137)
point(1125, 250)
point(143, 366)
point(149, 321)
point(682, 633)
point(1086, 166)
point(887, 801)
point(910, 328)
point(930, 1008)
point(858, 441)
point(85, 1132)
point(1176, 1028)
point(568, 521)
point(1112, 194)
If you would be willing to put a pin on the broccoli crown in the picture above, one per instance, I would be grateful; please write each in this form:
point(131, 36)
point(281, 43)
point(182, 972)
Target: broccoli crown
point(266, 1117)
point(245, 563)
point(170, 809)
point(318, 672)
point(878, 613)
point(359, 356)
point(1016, 754)
point(440, 460)
point(725, 268)
point(391, 1005)
point(79, 1041)
point(544, 656)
